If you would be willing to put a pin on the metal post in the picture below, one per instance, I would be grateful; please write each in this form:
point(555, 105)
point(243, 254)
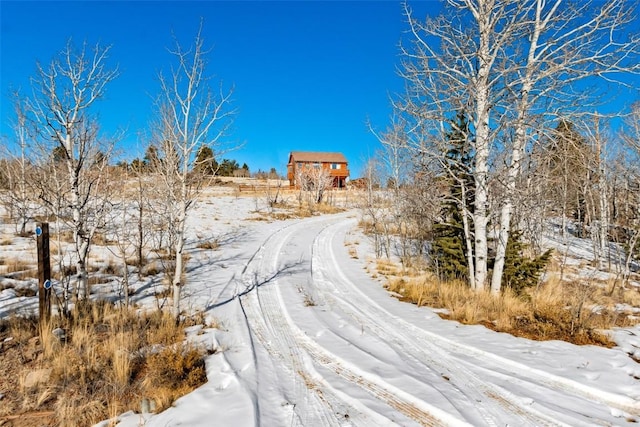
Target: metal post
point(44, 272)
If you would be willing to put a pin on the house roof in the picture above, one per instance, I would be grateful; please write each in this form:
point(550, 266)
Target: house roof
point(311, 156)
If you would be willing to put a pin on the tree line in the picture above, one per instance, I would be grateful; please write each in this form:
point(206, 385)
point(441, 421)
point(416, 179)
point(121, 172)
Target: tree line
point(205, 163)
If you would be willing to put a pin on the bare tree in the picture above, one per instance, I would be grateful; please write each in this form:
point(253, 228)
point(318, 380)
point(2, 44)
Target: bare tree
point(122, 240)
point(394, 163)
point(511, 65)
point(631, 224)
point(313, 181)
point(190, 114)
point(373, 208)
point(563, 44)
point(319, 181)
point(130, 207)
point(61, 108)
point(18, 198)
point(449, 68)
point(598, 189)
point(141, 205)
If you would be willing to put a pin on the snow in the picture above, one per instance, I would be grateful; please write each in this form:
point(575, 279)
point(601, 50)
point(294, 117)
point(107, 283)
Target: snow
point(305, 337)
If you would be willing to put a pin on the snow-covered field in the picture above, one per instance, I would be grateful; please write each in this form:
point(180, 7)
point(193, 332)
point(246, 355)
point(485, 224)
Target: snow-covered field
point(307, 338)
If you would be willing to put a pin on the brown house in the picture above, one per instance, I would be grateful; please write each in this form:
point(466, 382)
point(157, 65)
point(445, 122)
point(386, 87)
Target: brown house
point(335, 163)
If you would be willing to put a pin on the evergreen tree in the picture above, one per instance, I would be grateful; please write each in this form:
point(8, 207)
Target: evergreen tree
point(227, 167)
point(59, 154)
point(448, 247)
point(137, 165)
point(448, 250)
point(99, 158)
point(205, 161)
point(151, 157)
point(521, 272)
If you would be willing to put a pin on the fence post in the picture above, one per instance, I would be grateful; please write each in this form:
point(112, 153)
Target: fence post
point(44, 272)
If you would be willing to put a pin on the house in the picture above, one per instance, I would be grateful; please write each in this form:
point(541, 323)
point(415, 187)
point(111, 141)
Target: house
point(334, 163)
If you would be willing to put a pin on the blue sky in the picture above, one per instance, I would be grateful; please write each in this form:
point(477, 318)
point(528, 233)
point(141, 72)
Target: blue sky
point(307, 75)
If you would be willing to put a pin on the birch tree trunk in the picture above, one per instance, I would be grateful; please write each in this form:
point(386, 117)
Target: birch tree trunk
point(17, 170)
point(467, 234)
point(603, 197)
point(517, 152)
point(482, 110)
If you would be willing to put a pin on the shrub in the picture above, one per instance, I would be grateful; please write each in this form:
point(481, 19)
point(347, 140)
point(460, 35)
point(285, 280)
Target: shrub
point(173, 372)
point(109, 359)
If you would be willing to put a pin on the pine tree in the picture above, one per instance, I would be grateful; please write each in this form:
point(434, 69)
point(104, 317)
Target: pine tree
point(521, 272)
point(227, 167)
point(205, 162)
point(448, 247)
point(151, 158)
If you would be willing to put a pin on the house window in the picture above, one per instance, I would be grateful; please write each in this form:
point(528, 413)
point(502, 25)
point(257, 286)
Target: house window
point(335, 166)
point(316, 165)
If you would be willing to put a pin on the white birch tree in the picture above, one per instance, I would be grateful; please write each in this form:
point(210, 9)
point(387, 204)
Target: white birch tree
point(451, 68)
point(190, 114)
point(508, 65)
point(64, 95)
point(563, 43)
point(631, 140)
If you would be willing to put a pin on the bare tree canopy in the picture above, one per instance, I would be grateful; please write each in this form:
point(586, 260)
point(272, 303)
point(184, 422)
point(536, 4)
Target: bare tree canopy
point(190, 115)
point(512, 67)
point(62, 114)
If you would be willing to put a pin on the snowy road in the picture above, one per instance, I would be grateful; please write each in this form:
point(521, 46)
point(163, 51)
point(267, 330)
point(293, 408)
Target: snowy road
point(344, 353)
point(308, 338)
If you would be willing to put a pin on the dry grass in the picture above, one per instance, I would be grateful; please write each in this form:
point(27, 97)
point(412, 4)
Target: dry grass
point(18, 269)
point(576, 312)
point(108, 361)
point(173, 373)
point(284, 210)
point(67, 270)
point(101, 239)
point(16, 265)
point(112, 267)
point(153, 268)
point(630, 295)
point(325, 208)
point(66, 236)
point(281, 216)
point(212, 244)
point(73, 411)
point(368, 226)
point(21, 291)
point(386, 267)
point(353, 252)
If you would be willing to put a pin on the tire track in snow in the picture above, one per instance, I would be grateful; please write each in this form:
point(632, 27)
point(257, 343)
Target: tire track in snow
point(273, 326)
point(448, 348)
point(493, 404)
point(314, 403)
